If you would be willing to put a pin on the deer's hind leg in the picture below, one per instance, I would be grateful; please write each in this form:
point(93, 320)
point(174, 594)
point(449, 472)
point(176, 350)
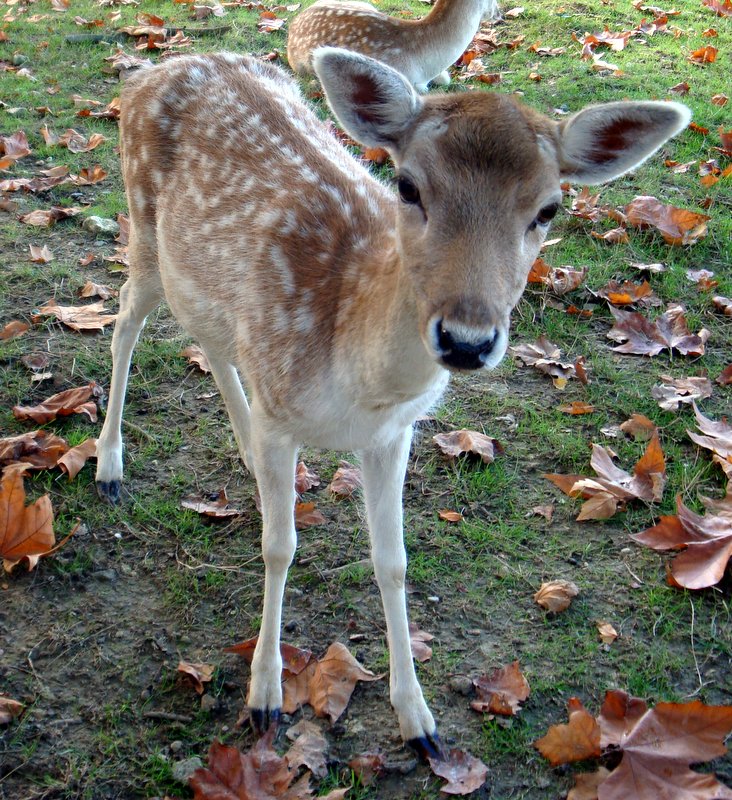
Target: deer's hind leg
point(140, 295)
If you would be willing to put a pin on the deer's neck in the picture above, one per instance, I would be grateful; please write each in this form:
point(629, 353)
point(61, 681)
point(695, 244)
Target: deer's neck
point(448, 28)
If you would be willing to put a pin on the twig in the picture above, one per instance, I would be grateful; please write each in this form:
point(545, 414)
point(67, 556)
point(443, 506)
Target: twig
point(362, 563)
point(693, 651)
point(166, 715)
point(138, 429)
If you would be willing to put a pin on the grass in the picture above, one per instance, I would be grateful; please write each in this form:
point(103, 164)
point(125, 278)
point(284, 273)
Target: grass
point(186, 586)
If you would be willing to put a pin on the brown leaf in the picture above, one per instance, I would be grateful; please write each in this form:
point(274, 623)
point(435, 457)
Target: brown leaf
point(91, 289)
point(309, 748)
point(704, 55)
point(450, 516)
point(91, 317)
point(44, 218)
point(367, 767)
point(502, 691)
point(40, 255)
point(725, 376)
point(88, 177)
point(9, 709)
point(674, 391)
point(305, 478)
point(545, 356)
point(576, 741)
point(618, 716)
point(617, 235)
point(681, 89)
point(196, 356)
point(720, 99)
point(678, 226)
point(464, 441)
point(706, 541)
point(717, 435)
point(306, 515)
point(37, 449)
point(347, 479)
point(576, 407)
point(659, 748)
point(418, 639)
point(639, 427)
point(556, 596)
point(587, 784)
point(546, 511)
point(13, 329)
point(334, 680)
point(71, 401)
point(26, 532)
point(212, 504)
point(74, 459)
point(197, 673)
point(641, 336)
point(626, 293)
point(464, 773)
point(607, 632)
point(723, 304)
point(722, 8)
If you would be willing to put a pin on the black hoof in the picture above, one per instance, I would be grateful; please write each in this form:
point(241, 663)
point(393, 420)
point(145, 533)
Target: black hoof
point(427, 747)
point(263, 719)
point(109, 491)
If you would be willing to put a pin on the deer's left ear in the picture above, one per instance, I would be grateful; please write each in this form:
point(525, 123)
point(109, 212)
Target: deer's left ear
point(374, 103)
point(602, 142)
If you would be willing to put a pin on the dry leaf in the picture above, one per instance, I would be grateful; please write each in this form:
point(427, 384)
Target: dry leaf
point(26, 532)
point(74, 459)
point(678, 226)
point(44, 218)
point(37, 449)
point(576, 741)
point(367, 767)
point(306, 515)
point(456, 443)
point(63, 404)
point(346, 480)
point(545, 356)
point(13, 329)
point(450, 516)
point(725, 376)
point(639, 427)
point(91, 289)
point(464, 773)
point(674, 391)
point(576, 407)
point(641, 336)
point(626, 293)
point(723, 304)
point(309, 748)
point(418, 639)
point(334, 680)
point(502, 691)
point(196, 673)
point(92, 317)
point(556, 596)
point(586, 784)
point(196, 356)
point(9, 709)
point(607, 632)
point(305, 478)
point(717, 435)
point(212, 504)
point(40, 255)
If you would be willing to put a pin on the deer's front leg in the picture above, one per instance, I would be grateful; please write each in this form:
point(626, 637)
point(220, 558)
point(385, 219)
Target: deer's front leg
point(383, 472)
point(274, 467)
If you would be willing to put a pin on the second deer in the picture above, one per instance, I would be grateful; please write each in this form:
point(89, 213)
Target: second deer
point(421, 50)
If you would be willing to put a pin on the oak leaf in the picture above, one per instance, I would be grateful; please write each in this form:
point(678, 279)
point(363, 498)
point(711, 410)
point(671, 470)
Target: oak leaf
point(678, 226)
point(63, 404)
point(92, 317)
point(556, 596)
point(706, 541)
point(464, 773)
point(456, 443)
point(674, 391)
point(576, 741)
point(502, 691)
point(641, 336)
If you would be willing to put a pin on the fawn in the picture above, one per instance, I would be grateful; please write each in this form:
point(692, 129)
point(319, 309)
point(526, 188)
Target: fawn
point(422, 50)
point(342, 305)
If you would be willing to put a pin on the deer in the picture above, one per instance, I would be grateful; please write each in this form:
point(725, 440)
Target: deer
point(421, 50)
point(341, 305)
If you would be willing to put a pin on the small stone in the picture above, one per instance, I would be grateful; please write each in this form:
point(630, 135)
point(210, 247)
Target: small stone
point(461, 684)
point(208, 702)
point(176, 746)
point(182, 770)
point(100, 225)
point(105, 575)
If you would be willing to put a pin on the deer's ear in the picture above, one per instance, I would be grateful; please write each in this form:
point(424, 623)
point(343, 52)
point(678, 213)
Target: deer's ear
point(374, 103)
point(602, 142)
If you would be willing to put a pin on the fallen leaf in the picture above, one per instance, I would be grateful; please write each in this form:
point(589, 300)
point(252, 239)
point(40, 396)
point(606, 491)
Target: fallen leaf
point(456, 443)
point(576, 741)
point(197, 673)
point(576, 407)
point(63, 404)
point(502, 691)
point(13, 329)
point(586, 784)
point(617, 235)
point(37, 449)
point(418, 639)
point(723, 304)
point(674, 391)
point(92, 317)
point(725, 376)
point(618, 715)
point(607, 632)
point(642, 336)
point(334, 680)
point(678, 226)
point(545, 356)
point(717, 435)
point(74, 459)
point(702, 278)
point(639, 427)
point(347, 479)
point(367, 767)
point(681, 89)
point(306, 515)
point(305, 478)
point(626, 293)
point(704, 55)
point(91, 289)
point(450, 516)
point(40, 255)
point(309, 748)
point(44, 218)
point(195, 355)
point(26, 531)
point(556, 596)
point(9, 709)
point(212, 504)
point(720, 99)
point(706, 541)
point(546, 511)
point(464, 773)
point(722, 8)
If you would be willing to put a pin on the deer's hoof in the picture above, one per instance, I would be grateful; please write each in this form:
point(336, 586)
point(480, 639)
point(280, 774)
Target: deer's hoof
point(263, 719)
point(427, 747)
point(109, 491)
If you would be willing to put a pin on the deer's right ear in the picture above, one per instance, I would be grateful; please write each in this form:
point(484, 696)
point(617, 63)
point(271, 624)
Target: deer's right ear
point(374, 103)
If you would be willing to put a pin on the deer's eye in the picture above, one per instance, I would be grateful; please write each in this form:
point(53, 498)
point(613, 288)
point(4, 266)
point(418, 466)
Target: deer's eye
point(408, 192)
point(545, 216)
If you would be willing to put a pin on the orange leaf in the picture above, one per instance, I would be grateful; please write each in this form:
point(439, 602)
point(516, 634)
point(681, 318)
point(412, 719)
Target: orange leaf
point(576, 741)
point(36, 449)
point(13, 329)
point(25, 531)
point(576, 407)
point(464, 441)
point(334, 680)
point(63, 404)
point(305, 478)
point(704, 55)
point(346, 480)
point(502, 691)
point(74, 459)
point(556, 596)
point(450, 516)
point(197, 673)
point(678, 226)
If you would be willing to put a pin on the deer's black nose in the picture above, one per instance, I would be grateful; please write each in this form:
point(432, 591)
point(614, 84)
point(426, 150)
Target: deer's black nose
point(463, 355)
